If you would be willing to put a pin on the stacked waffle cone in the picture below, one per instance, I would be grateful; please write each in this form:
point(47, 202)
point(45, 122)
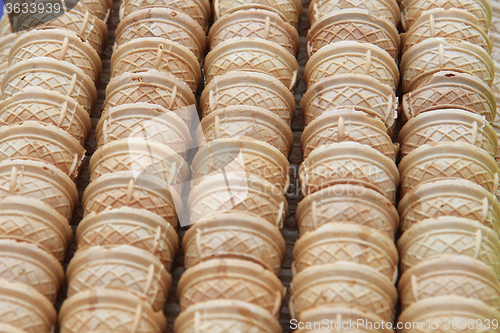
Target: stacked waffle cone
point(50, 64)
point(449, 176)
point(345, 262)
point(234, 249)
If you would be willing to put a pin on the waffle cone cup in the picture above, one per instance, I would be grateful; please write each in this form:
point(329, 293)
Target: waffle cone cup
point(348, 57)
point(167, 23)
point(51, 75)
point(355, 25)
point(139, 55)
point(434, 238)
point(5, 27)
point(136, 120)
point(33, 221)
point(254, 55)
point(341, 314)
point(227, 315)
point(5, 46)
point(215, 280)
point(141, 157)
point(199, 10)
point(335, 242)
point(361, 92)
point(79, 19)
point(451, 125)
point(29, 264)
point(340, 283)
point(449, 197)
point(411, 10)
point(438, 54)
point(235, 235)
point(121, 267)
point(450, 90)
point(59, 44)
point(448, 160)
point(241, 155)
point(26, 309)
point(235, 193)
point(290, 10)
point(347, 125)
point(246, 121)
point(150, 87)
point(100, 8)
point(450, 276)
point(124, 189)
point(7, 328)
point(351, 163)
point(128, 226)
point(32, 140)
point(95, 310)
point(36, 179)
point(46, 107)
point(441, 310)
point(255, 23)
point(249, 88)
point(384, 9)
point(350, 204)
point(451, 24)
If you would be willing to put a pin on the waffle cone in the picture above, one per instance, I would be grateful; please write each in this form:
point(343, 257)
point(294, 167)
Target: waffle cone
point(121, 267)
point(349, 204)
point(226, 315)
point(96, 310)
point(167, 23)
point(139, 55)
point(5, 27)
point(249, 88)
point(339, 283)
point(450, 276)
point(128, 226)
point(33, 221)
point(448, 160)
point(241, 155)
point(59, 44)
point(246, 121)
point(47, 143)
point(348, 57)
point(254, 55)
point(150, 87)
point(26, 309)
point(123, 189)
point(199, 10)
point(51, 75)
point(495, 18)
point(347, 125)
point(451, 125)
point(234, 235)
point(142, 157)
point(46, 107)
point(230, 279)
point(5, 46)
point(450, 90)
point(335, 242)
point(354, 25)
point(100, 8)
point(36, 179)
point(136, 120)
point(434, 238)
point(438, 54)
point(351, 163)
point(451, 24)
point(449, 197)
point(360, 92)
point(255, 23)
point(235, 193)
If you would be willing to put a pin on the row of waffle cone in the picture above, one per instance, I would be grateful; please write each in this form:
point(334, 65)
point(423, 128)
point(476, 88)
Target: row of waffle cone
point(51, 64)
point(449, 176)
point(345, 260)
